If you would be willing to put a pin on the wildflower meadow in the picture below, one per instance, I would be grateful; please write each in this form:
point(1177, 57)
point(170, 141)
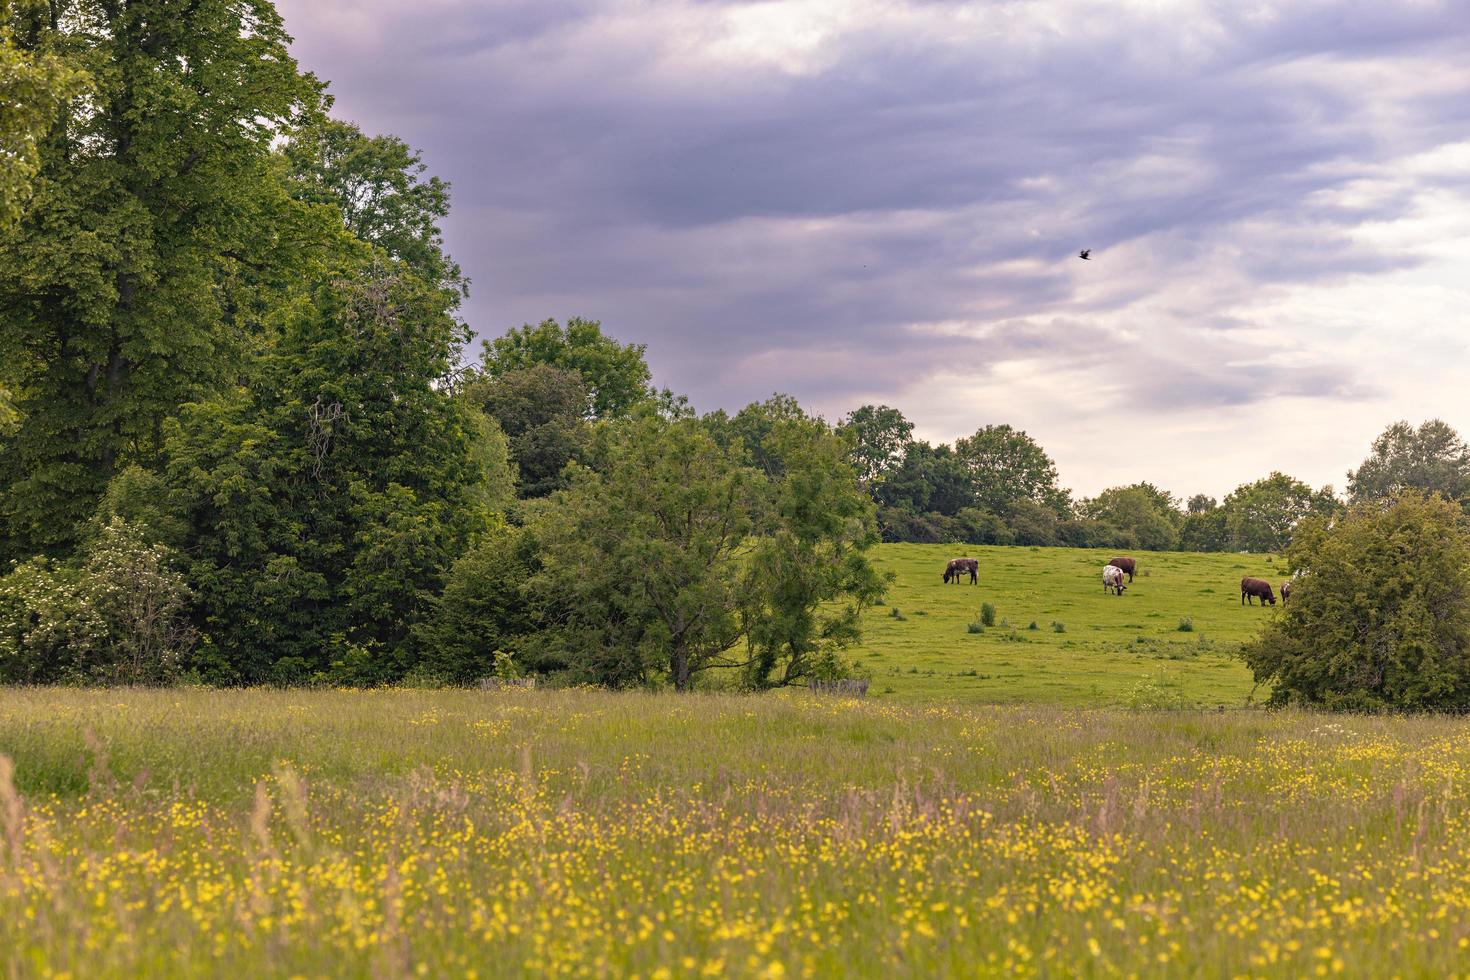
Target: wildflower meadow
point(519, 833)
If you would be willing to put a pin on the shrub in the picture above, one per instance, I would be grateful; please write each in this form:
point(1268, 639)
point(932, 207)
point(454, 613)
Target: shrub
point(1380, 617)
point(116, 615)
point(1033, 627)
point(976, 627)
point(1057, 627)
point(987, 614)
point(1148, 695)
point(1186, 625)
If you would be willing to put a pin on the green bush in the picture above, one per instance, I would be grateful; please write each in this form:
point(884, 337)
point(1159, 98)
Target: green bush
point(1057, 627)
point(115, 615)
point(1379, 619)
point(976, 627)
point(987, 614)
point(1186, 625)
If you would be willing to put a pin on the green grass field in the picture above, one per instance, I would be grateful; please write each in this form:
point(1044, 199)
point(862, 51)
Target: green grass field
point(1111, 645)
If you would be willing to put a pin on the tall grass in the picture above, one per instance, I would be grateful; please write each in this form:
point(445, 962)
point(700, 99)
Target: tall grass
point(531, 832)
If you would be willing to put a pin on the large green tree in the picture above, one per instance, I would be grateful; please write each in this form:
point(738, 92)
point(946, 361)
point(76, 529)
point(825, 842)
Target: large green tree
point(1379, 617)
point(810, 578)
point(133, 282)
point(325, 504)
point(615, 374)
point(646, 558)
point(1432, 458)
point(1007, 465)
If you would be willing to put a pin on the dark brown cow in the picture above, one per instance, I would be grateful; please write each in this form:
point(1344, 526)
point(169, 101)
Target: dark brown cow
point(1258, 588)
point(959, 566)
point(1286, 592)
point(1127, 564)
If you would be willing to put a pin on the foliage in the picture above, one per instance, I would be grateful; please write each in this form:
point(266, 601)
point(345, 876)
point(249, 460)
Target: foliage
point(1205, 529)
point(1431, 459)
point(880, 439)
point(616, 375)
point(1007, 466)
point(33, 87)
point(987, 614)
point(1260, 516)
point(484, 612)
point(141, 272)
point(646, 559)
point(1149, 514)
point(810, 577)
point(115, 616)
point(325, 505)
point(542, 411)
point(1380, 617)
point(377, 185)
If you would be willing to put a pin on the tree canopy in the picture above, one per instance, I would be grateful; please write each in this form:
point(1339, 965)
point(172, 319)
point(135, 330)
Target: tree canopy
point(1432, 458)
point(615, 374)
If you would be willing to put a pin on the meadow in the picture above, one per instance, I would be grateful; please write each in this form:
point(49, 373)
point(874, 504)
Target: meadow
point(1087, 647)
point(530, 833)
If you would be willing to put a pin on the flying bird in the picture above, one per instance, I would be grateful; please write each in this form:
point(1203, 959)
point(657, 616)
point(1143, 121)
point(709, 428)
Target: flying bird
point(1086, 253)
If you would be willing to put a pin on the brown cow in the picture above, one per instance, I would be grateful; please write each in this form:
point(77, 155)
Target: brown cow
point(959, 566)
point(1258, 588)
point(1286, 592)
point(1127, 564)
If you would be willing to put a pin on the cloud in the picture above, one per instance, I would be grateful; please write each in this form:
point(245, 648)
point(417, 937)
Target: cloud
point(856, 200)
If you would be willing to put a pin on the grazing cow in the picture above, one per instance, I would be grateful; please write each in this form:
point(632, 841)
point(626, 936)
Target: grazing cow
point(1127, 564)
point(1113, 579)
point(1286, 592)
point(959, 566)
point(1257, 587)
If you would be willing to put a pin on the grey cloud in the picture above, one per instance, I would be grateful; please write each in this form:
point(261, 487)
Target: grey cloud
point(761, 229)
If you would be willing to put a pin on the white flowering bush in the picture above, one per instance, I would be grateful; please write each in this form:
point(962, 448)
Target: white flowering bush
point(115, 615)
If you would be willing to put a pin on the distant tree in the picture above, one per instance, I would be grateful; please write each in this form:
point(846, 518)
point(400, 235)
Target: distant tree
point(646, 558)
point(542, 410)
point(1204, 531)
point(1143, 510)
point(1432, 458)
point(1006, 465)
point(929, 479)
point(1392, 638)
point(752, 426)
point(378, 186)
point(616, 375)
point(1201, 504)
point(880, 437)
point(1261, 516)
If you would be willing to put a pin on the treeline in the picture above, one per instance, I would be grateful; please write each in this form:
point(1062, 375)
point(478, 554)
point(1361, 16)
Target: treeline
point(238, 443)
point(999, 486)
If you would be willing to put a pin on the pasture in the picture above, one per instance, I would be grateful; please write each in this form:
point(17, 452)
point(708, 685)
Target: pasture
point(529, 833)
point(1110, 650)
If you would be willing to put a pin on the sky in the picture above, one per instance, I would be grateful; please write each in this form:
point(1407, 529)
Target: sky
point(882, 201)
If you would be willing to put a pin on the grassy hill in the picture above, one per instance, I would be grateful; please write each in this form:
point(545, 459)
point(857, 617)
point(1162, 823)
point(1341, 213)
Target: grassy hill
point(1105, 649)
